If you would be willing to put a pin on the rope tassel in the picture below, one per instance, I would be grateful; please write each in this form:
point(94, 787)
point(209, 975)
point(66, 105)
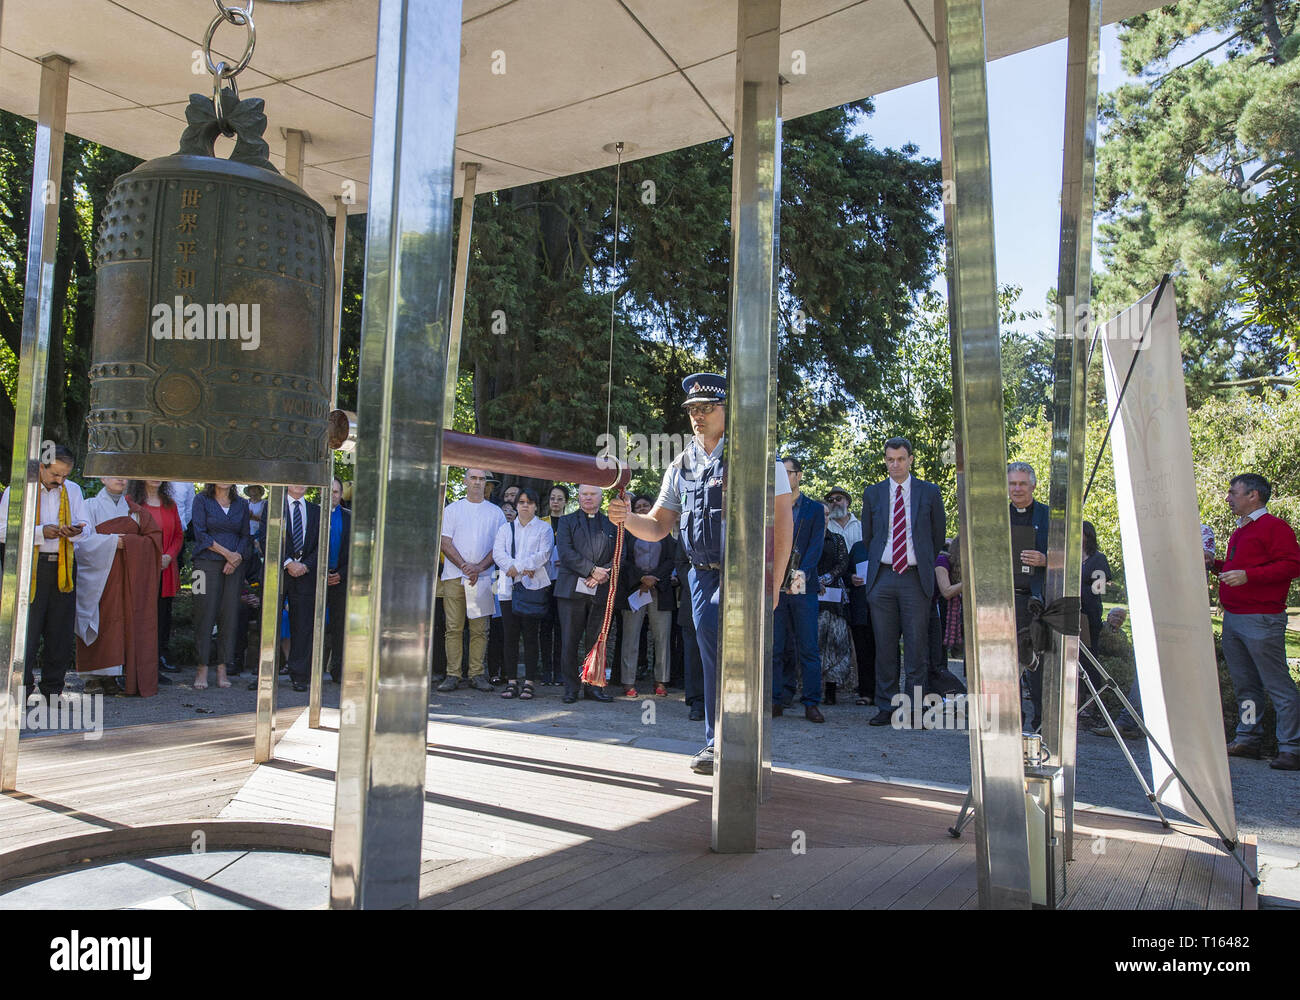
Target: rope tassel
point(593, 667)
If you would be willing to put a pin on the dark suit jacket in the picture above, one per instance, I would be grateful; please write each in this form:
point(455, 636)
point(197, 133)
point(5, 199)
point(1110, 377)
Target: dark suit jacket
point(584, 543)
point(809, 535)
point(927, 527)
point(858, 611)
point(310, 546)
point(629, 577)
point(1042, 516)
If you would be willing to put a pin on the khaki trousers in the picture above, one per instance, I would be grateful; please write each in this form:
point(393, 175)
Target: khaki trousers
point(452, 593)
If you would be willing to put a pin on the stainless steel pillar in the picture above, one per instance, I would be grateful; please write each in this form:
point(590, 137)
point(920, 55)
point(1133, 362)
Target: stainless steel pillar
point(997, 775)
point(769, 635)
point(1069, 397)
point(744, 614)
point(379, 800)
point(267, 674)
point(272, 539)
point(459, 283)
point(323, 543)
point(29, 405)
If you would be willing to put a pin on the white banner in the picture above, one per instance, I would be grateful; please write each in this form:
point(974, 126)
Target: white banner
point(1163, 567)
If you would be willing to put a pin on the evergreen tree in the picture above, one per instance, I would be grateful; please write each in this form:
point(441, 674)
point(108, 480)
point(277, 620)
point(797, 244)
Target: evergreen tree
point(1187, 154)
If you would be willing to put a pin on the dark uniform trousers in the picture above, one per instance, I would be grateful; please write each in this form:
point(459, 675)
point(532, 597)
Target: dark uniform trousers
point(336, 602)
point(701, 539)
point(52, 617)
point(580, 621)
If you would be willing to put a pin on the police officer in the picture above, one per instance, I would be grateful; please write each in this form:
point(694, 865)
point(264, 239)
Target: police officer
point(692, 495)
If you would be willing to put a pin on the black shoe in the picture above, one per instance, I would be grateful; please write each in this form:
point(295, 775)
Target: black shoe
point(595, 694)
point(830, 694)
point(697, 713)
point(882, 718)
point(702, 762)
point(778, 710)
point(163, 679)
point(480, 683)
point(299, 686)
point(167, 667)
point(252, 685)
point(569, 699)
point(813, 714)
point(449, 684)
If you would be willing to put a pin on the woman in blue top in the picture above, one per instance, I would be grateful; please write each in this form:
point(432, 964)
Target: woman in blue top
point(222, 542)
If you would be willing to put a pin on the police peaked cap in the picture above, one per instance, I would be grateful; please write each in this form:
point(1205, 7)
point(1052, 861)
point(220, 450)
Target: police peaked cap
point(704, 387)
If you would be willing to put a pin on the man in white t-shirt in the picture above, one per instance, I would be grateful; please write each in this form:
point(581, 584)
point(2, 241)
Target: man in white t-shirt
point(469, 527)
point(692, 494)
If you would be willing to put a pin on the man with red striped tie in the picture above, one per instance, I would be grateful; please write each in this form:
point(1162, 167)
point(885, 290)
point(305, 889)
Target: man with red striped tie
point(903, 530)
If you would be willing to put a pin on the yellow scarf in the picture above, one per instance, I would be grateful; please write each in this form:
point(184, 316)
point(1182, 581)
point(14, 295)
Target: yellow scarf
point(65, 549)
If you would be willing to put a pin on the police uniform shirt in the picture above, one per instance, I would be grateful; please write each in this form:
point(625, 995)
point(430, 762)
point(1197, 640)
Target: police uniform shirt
point(670, 493)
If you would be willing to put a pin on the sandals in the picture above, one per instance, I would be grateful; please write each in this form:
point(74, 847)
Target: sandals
point(527, 693)
point(511, 691)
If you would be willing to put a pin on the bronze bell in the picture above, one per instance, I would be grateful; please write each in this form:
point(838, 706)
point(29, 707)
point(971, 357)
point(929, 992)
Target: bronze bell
point(214, 291)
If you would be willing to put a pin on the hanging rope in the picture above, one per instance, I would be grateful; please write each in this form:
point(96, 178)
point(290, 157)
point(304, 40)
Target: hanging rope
point(593, 667)
point(613, 292)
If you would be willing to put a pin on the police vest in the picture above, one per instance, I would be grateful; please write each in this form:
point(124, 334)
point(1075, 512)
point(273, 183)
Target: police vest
point(700, 485)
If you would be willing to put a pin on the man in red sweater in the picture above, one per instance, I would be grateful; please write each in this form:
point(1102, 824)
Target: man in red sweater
point(1262, 560)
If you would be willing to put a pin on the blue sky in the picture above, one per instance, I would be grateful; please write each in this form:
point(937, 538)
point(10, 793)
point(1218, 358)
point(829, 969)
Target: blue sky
point(1026, 108)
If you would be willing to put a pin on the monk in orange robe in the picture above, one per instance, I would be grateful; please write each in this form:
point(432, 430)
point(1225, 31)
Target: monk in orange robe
point(117, 620)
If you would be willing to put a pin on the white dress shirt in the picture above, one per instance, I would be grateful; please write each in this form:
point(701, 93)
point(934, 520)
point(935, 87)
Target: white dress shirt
point(288, 523)
point(47, 512)
point(533, 544)
point(183, 494)
point(907, 517)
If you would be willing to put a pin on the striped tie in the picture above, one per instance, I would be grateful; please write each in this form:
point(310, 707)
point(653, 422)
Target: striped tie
point(900, 532)
point(298, 540)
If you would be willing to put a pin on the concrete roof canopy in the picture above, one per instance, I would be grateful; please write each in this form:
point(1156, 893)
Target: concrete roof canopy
point(545, 85)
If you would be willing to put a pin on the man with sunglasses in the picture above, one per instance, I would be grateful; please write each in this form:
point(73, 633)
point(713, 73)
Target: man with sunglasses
point(691, 497)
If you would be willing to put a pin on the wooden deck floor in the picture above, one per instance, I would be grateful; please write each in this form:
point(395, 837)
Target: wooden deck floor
point(516, 820)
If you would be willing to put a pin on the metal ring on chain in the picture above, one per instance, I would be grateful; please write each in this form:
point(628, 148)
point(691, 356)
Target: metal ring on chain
point(226, 130)
point(235, 15)
point(239, 67)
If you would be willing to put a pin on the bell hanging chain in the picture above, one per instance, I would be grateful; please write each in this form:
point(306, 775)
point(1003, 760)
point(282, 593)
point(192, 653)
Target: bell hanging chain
point(221, 70)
